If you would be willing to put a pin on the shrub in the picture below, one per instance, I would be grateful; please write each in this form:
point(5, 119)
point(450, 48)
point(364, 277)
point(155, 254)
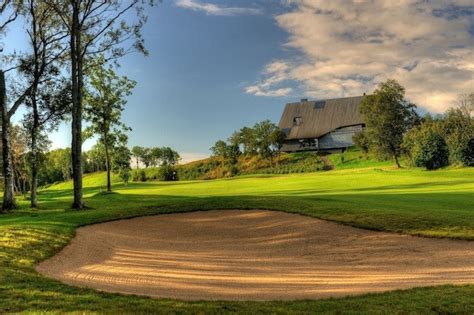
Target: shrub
point(142, 176)
point(167, 173)
point(431, 151)
point(467, 153)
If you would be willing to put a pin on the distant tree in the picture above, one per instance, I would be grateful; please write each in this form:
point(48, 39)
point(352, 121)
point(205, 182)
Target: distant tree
point(268, 138)
point(431, 151)
point(95, 158)
point(465, 103)
point(388, 115)
point(277, 138)
point(458, 130)
point(169, 156)
point(362, 141)
point(121, 157)
point(137, 153)
point(56, 166)
point(157, 154)
point(147, 157)
point(105, 101)
point(219, 150)
point(248, 139)
point(19, 150)
point(467, 153)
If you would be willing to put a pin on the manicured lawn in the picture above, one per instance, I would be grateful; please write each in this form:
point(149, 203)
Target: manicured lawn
point(436, 204)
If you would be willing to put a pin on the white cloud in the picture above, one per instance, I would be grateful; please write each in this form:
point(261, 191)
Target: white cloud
point(275, 73)
point(347, 47)
point(214, 9)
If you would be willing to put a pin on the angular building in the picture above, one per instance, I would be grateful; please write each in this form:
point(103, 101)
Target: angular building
point(325, 125)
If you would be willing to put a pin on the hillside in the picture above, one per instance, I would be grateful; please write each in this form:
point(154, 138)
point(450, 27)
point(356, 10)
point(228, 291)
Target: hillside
point(286, 163)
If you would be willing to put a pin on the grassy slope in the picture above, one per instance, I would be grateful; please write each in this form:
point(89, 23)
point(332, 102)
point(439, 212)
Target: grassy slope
point(438, 204)
point(285, 163)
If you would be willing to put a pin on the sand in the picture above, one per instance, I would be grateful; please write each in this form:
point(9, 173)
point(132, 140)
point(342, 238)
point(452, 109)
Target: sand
point(253, 255)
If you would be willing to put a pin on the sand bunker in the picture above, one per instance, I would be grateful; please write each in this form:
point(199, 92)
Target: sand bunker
point(253, 255)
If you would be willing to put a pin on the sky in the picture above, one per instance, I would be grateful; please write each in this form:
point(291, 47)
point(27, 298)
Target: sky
point(216, 66)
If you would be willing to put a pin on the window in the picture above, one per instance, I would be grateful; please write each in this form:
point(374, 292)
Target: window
point(297, 121)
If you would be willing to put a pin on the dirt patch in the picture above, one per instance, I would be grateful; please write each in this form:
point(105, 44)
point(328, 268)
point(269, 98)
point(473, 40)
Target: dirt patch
point(253, 255)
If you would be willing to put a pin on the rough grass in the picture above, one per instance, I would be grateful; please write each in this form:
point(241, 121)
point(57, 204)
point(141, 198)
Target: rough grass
point(435, 204)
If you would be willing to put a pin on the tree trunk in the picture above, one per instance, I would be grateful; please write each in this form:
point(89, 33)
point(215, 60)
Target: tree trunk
point(34, 156)
point(76, 78)
point(396, 161)
point(8, 195)
point(107, 165)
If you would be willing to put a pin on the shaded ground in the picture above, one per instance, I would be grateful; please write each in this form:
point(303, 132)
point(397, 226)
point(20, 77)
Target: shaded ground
point(253, 255)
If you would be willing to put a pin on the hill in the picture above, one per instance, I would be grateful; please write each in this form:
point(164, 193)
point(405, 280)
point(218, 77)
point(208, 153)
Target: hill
point(286, 163)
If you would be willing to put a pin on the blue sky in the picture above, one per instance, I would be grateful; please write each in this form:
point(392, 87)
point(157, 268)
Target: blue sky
point(215, 66)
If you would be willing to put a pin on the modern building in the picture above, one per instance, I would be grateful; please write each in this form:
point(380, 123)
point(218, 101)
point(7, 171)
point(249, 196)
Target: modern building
point(324, 125)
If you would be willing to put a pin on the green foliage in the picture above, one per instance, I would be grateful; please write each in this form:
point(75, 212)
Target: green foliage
point(167, 173)
point(467, 153)
point(458, 130)
point(362, 141)
point(388, 116)
point(431, 151)
point(121, 162)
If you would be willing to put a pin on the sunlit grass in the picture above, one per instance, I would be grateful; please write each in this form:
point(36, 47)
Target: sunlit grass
point(411, 201)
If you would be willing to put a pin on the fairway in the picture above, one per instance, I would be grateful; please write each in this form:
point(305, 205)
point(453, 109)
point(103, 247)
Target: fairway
point(410, 201)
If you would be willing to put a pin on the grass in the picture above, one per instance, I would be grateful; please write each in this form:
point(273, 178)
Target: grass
point(411, 201)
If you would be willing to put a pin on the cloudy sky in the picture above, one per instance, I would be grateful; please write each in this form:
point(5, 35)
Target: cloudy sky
point(216, 66)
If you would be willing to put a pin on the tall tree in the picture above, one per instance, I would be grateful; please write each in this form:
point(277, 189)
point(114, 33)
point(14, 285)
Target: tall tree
point(105, 100)
point(6, 112)
point(95, 26)
point(388, 115)
point(49, 96)
point(137, 153)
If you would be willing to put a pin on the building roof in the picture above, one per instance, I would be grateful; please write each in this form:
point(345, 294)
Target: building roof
point(318, 118)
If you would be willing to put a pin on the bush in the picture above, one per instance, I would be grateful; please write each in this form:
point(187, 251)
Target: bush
point(431, 151)
point(142, 176)
point(167, 173)
point(467, 154)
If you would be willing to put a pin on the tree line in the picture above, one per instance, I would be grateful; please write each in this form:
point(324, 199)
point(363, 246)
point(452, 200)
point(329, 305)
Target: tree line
point(154, 156)
point(65, 73)
point(264, 139)
point(395, 130)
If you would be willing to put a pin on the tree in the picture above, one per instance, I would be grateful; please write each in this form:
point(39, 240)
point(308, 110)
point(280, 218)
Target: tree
point(467, 153)
point(220, 150)
point(277, 138)
point(48, 98)
point(156, 155)
point(268, 139)
point(169, 156)
point(147, 157)
point(362, 141)
point(137, 153)
point(105, 100)
point(248, 140)
point(388, 115)
point(94, 27)
point(121, 157)
point(465, 103)
point(458, 129)
point(431, 151)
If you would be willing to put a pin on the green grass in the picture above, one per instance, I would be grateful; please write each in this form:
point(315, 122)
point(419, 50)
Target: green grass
point(411, 201)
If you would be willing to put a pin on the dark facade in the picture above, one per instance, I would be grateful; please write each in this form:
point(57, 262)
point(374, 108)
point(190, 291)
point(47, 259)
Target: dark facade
point(321, 125)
